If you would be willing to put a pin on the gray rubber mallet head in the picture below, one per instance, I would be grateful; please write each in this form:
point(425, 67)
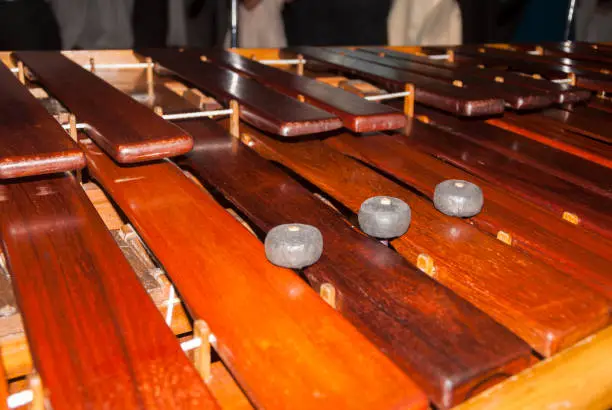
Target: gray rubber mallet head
point(384, 217)
point(294, 245)
point(460, 198)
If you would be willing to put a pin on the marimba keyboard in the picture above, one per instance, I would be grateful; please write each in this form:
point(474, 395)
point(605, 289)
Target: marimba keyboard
point(125, 173)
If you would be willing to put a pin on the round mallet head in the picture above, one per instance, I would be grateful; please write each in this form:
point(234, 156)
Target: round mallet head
point(460, 198)
point(294, 246)
point(384, 217)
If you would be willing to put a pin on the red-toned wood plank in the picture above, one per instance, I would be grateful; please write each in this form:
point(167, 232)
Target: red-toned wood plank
point(574, 52)
point(126, 130)
point(96, 337)
point(356, 113)
point(429, 91)
point(585, 121)
point(601, 104)
point(544, 307)
point(549, 133)
point(536, 65)
point(24, 150)
point(516, 98)
point(280, 340)
point(503, 216)
point(451, 355)
point(563, 93)
point(544, 157)
point(520, 178)
point(260, 105)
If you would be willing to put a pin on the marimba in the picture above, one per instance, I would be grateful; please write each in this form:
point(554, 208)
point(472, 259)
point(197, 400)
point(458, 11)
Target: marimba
point(138, 186)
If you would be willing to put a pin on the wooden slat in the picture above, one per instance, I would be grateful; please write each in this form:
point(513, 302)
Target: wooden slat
point(504, 216)
point(520, 178)
point(96, 337)
point(260, 106)
point(544, 157)
point(126, 130)
point(585, 121)
point(574, 52)
point(541, 305)
point(563, 93)
point(370, 279)
point(578, 378)
point(429, 91)
point(24, 150)
point(547, 132)
point(516, 98)
point(281, 342)
point(356, 113)
point(533, 65)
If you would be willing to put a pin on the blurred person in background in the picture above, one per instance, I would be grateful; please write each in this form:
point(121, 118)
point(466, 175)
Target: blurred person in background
point(28, 25)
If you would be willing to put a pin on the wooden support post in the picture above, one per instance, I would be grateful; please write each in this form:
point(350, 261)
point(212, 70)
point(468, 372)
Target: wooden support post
point(409, 101)
point(38, 395)
point(451, 56)
point(149, 70)
point(328, 294)
point(300, 65)
point(234, 128)
point(202, 354)
point(21, 72)
point(92, 64)
point(73, 129)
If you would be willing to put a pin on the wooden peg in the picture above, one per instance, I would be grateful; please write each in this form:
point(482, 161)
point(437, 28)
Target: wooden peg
point(328, 294)
point(423, 118)
point(301, 98)
point(201, 355)
point(158, 110)
point(21, 72)
point(409, 101)
point(571, 218)
point(572, 78)
point(234, 128)
point(203, 59)
point(505, 237)
point(149, 70)
point(300, 65)
point(458, 83)
point(539, 50)
point(92, 65)
point(605, 71)
point(499, 79)
point(38, 396)
point(450, 56)
point(73, 129)
point(426, 264)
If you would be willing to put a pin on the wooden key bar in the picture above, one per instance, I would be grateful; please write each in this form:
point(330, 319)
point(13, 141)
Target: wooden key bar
point(126, 130)
point(579, 378)
point(435, 93)
point(357, 114)
point(516, 98)
point(260, 106)
point(24, 149)
point(585, 121)
point(553, 134)
point(96, 338)
point(544, 157)
point(509, 219)
point(566, 199)
point(534, 65)
point(371, 280)
point(543, 306)
point(281, 341)
point(562, 93)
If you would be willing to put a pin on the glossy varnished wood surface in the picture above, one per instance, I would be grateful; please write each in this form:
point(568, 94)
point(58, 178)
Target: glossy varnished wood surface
point(356, 113)
point(534, 65)
point(544, 157)
point(585, 121)
point(562, 93)
point(516, 98)
point(429, 91)
point(451, 354)
point(544, 307)
point(553, 134)
point(284, 345)
point(260, 106)
point(520, 178)
point(24, 150)
point(578, 378)
point(565, 247)
point(126, 130)
point(96, 337)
